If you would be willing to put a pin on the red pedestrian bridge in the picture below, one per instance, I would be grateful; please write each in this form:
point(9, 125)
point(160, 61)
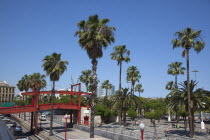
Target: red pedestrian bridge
point(36, 107)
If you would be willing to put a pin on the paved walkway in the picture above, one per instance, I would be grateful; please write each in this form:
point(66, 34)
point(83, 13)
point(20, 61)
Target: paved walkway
point(133, 130)
point(58, 129)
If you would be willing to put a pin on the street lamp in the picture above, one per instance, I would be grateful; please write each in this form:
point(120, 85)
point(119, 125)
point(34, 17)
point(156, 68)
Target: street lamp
point(66, 117)
point(195, 71)
point(141, 126)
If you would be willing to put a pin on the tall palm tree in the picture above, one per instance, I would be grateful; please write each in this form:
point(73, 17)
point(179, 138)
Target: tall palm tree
point(187, 39)
point(85, 78)
point(121, 54)
point(106, 85)
point(54, 68)
point(133, 75)
point(175, 69)
point(139, 89)
point(94, 34)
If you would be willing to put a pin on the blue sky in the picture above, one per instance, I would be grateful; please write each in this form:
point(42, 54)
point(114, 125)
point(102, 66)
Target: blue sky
point(32, 29)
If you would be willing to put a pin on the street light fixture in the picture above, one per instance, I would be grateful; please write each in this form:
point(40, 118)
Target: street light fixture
point(141, 126)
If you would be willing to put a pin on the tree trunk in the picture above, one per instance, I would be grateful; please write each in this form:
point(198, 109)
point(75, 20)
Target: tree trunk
point(124, 117)
point(188, 93)
point(177, 120)
point(185, 124)
point(120, 109)
point(133, 89)
point(94, 87)
point(86, 85)
point(105, 98)
point(176, 86)
point(193, 122)
point(52, 107)
point(153, 121)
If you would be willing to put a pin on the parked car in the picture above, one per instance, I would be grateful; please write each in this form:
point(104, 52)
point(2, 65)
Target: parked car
point(26, 138)
point(12, 124)
point(18, 128)
point(42, 117)
point(6, 119)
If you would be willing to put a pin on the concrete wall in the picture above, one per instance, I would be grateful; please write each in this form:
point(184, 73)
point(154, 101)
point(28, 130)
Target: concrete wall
point(107, 134)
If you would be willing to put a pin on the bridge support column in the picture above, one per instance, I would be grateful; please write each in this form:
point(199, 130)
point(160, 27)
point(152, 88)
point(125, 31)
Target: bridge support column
point(79, 117)
point(32, 121)
point(71, 118)
point(36, 122)
point(36, 113)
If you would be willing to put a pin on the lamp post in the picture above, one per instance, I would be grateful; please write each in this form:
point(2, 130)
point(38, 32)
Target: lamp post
point(141, 126)
point(66, 117)
point(195, 71)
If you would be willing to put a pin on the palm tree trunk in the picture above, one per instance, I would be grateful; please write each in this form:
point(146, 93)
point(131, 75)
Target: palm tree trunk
point(133, 88)
point(176, 82)
point(105, 98)
point(188, 93)
point(86, 85)
point(94, 87)
point(124, 117)
point(120, 109)
point(52, 107)
point(193, 122)
point(25, 103)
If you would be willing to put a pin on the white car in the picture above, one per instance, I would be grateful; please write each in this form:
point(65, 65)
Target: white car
point(42, 118)
point(6, 119)
point(23, 138)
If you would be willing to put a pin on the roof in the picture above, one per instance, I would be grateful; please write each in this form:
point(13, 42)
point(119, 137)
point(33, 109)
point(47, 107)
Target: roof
point(4, 84)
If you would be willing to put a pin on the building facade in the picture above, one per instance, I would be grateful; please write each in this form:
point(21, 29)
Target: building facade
point(7, 92)
point(102, 92)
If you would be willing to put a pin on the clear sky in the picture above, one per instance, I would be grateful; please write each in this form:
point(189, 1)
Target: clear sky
point(32, 29)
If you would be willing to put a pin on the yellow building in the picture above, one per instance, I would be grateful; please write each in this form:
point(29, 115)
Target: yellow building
point(7, 92)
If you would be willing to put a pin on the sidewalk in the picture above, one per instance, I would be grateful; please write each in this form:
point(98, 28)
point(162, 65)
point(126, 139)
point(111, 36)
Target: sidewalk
point(58, 129)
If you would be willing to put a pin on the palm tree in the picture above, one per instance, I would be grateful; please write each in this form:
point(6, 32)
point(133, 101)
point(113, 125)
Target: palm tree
point(121, 54)
point(94, 34)
point(199, 98)
point(175, 69)
point(54, 68)
point(133, 75)
point(106, 85)
point(139, 89)
point(126, 100)
point(24, 85)
point(170, 85)
point(187, 39)
point(37, 81)
point(85, 78)
point(174, 101)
